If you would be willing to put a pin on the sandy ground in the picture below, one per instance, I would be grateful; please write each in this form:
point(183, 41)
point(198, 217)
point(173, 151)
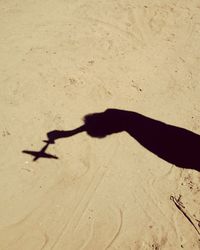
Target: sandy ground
point(63, 59)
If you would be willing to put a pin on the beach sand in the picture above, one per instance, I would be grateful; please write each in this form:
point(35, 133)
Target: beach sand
point(61, 60)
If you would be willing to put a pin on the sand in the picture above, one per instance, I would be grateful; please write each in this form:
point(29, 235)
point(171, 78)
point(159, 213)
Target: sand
point(61, 60)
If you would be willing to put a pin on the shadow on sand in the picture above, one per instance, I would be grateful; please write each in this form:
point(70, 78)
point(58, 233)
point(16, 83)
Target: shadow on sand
point(173, 144)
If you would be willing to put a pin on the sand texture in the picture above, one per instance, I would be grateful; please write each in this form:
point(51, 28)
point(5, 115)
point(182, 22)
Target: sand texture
point(63, 59)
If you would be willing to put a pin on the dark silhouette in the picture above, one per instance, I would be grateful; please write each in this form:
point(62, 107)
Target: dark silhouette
point(41, 153)
point(175, 145)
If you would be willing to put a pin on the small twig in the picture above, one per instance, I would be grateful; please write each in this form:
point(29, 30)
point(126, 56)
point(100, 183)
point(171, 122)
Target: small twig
point(185, 212)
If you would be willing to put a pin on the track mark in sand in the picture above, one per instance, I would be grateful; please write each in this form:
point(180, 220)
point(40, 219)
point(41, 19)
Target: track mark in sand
point(118, 230)
point(89, 237)
point(151, 202)
point(117, 28)
point(195, 223)
point(46, 240)
point(93, 191)
point(82, 205)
